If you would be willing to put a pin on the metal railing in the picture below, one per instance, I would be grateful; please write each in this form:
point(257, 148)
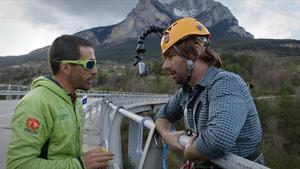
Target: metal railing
point(111, 117)
point(17, 91)
point(13, 91)
point(14, 87)
point(112, 107)
point(112, 114)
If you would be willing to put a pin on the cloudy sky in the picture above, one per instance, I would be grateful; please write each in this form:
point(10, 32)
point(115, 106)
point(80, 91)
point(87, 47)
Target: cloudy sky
point(26, 25)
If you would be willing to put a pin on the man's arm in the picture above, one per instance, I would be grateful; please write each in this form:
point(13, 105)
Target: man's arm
point(29, 133)
point(191, 153)
point(227, 114)
point(170, 112)
point(163, 126)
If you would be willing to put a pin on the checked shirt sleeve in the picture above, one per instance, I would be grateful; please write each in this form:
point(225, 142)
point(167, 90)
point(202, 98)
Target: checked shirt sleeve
point(172, 110)
point(226, 116)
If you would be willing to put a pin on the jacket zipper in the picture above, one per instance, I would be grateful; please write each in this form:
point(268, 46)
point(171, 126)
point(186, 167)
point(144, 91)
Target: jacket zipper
point(78, 131)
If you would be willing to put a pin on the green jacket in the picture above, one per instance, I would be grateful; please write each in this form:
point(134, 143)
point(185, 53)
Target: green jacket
point(46, 112)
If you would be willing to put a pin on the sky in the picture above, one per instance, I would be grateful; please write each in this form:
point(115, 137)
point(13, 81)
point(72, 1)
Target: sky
point(26, 25)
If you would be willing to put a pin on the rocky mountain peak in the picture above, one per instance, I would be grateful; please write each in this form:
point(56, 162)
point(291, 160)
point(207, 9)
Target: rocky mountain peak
point(214, 15)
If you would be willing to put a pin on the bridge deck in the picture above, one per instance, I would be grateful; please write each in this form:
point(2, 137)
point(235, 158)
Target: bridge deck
point(6, 109)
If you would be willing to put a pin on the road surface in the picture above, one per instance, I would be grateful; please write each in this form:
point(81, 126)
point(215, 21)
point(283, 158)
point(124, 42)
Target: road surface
point(6, 109)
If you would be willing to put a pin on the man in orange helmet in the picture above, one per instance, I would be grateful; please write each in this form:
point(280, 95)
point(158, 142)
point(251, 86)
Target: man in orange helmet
point(217, 107)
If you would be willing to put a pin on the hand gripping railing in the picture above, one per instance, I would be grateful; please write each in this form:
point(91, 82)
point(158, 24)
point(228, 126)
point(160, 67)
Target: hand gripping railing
point(229, 160)
point(115, 107)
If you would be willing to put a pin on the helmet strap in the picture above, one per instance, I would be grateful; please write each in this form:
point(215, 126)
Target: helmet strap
point(189, 69)
point(188, 61)
point(205, 40)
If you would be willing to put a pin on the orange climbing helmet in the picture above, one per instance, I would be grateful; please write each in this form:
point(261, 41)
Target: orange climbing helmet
point(180, 29)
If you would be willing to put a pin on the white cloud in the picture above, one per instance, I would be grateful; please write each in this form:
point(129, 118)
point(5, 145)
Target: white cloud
point(16, 42)
point(275, 19)
point(26, 25)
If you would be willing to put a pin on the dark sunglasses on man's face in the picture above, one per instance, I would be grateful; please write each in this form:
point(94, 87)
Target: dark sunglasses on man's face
point(86, 64)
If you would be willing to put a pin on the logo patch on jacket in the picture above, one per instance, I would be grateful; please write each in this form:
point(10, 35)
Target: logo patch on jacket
point(32, 125)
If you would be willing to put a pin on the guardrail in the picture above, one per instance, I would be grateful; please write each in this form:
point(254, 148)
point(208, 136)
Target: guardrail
point(16, 92)
point(150, 156)
point(111, 117)
point(111, 108)
point(14, 87)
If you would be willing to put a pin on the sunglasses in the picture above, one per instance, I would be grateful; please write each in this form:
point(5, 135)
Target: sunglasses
point(87, 64)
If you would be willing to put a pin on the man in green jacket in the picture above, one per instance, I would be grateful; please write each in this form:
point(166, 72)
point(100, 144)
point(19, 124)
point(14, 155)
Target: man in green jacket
point(47, 125)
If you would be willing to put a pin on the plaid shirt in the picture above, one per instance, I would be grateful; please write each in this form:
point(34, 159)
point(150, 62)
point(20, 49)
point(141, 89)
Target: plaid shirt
point(227, 119)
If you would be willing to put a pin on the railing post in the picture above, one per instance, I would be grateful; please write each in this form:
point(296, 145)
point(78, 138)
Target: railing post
point(8, 96)
point(152, 153)
point(105, 122)
point(115, 137)
point(18, 96)
point(133, 142)
point(103, 107)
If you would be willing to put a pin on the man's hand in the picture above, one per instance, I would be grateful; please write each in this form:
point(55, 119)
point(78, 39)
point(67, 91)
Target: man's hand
point(190, 142)
point(172, 139)
point(97, 158)
point(163, 126)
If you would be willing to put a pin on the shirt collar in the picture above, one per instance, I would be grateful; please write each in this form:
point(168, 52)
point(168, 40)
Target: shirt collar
point(73, 96)
point(207, 78)
point(205, 81)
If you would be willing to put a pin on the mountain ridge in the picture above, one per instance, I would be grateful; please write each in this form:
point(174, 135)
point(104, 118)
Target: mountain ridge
point(160, 13)
point(146, 13)
point(217, 17)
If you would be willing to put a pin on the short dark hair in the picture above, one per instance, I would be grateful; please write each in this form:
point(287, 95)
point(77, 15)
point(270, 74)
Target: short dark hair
point(65, 47)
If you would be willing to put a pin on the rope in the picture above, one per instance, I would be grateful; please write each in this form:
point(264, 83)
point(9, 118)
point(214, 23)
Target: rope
point(164, 155)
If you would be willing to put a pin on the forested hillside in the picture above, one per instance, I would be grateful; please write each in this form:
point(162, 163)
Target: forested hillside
point(124, 52)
